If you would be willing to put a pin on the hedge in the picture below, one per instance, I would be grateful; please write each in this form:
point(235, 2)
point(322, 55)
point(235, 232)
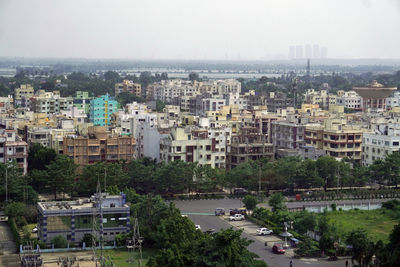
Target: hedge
point(15, 231)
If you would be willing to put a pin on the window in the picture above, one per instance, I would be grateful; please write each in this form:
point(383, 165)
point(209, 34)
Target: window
point(208, 147)
point(395, 143)
point(178, 149)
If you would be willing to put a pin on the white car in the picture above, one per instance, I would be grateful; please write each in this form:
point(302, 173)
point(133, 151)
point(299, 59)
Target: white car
point(264, 231)
point(198, 227)
point(34, 230)
point(236, 217)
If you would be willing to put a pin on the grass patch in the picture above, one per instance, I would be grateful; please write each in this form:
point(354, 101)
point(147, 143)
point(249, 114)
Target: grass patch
point(120, 257)
point(377, 223)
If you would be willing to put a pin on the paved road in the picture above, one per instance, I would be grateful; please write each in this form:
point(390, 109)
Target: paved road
point(200, 212)
point(7, 244)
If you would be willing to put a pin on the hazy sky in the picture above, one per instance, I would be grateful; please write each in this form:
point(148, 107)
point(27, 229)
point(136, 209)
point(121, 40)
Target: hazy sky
point(198, 29)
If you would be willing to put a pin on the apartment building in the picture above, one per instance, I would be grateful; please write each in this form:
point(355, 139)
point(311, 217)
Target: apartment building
point(99, 146)
point(276, 101)
point(393, 100)
point(50, 102)
point(82, 101)
point(74, 219)
point(22, 95)
point(289, 133)
point(13, 149)
point(339, 138)
point(320, 97)
point(128, 86)
point(101, 109)
point(350, 100)
point(192, 144)
point(6, 104)
point(383, 139)
point(248, 144)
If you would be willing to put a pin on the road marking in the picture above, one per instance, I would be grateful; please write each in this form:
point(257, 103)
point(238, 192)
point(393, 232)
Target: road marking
point(197, 213)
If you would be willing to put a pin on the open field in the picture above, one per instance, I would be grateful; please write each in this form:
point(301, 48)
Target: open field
point(377, 223)
point(120, 257)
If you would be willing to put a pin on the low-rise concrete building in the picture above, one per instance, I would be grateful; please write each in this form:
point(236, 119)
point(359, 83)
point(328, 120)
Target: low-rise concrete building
point(74, 219)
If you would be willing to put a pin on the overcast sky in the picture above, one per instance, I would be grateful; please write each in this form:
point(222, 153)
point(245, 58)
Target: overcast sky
point(198, 29)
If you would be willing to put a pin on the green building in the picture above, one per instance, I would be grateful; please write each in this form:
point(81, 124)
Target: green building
point(82, 101)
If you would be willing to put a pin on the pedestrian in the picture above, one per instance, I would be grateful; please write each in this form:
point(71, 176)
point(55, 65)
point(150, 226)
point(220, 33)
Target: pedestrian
point(291, 263)
point(347, 263)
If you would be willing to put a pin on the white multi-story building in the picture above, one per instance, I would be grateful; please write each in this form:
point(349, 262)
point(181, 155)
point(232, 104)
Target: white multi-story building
point(50, 102)
point(383, 140)
point(212, 104)
point(350, 100)
point(192, 144)
point(236, 99)
point(393, 101)
point(12, 148)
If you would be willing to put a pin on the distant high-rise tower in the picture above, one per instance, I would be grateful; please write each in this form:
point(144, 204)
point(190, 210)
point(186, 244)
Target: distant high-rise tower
point(299, 51)
point(324, 52)
point(316, 51)
point(308, 51)
point(292, 52)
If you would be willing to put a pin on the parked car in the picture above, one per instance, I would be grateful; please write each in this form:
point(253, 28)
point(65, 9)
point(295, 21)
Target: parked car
point(278, 248)
point(210, 231)
point(236, 217)
point(219, 211)
point(198, 227)
point(264, 231)
point(242, 211)
point(239, 191)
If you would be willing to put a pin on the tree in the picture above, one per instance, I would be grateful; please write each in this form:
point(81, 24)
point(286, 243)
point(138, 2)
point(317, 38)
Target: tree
point(39, 156)
point(327, 169)
point(109, 174)
point(225, 248)
point(160, 105)
point(127, 97)
point(250, 202)
point(15, 209)
point(305, 221)
point(389, 255)
point(59, 242)
point(193, 76)
point(111, 76)
point(18, 187)
point(244, 175)
point(277, 201)
point(363, 247)
point(61, 175)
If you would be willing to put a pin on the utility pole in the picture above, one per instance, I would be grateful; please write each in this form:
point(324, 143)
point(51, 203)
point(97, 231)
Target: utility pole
point(6, 183)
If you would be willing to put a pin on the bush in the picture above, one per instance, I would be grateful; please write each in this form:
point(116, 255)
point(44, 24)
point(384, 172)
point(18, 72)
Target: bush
point(59, 242)
point(308, 248)
point(14, 231)
point(15, 209)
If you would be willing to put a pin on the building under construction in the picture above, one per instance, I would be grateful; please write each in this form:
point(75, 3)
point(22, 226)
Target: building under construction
point(248, 144)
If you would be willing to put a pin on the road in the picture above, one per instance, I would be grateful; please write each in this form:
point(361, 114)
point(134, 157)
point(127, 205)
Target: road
point(201, 212)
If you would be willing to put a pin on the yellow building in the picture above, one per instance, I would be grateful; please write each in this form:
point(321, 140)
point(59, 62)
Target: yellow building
point(336, 137)
point(128, 86)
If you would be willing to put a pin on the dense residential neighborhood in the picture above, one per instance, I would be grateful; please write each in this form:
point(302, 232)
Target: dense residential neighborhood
point(199, 133)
